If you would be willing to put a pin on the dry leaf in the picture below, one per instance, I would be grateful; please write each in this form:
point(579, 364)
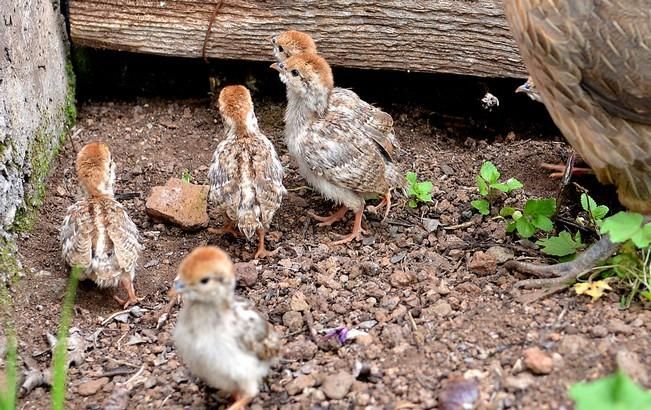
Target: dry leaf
point(593, 289)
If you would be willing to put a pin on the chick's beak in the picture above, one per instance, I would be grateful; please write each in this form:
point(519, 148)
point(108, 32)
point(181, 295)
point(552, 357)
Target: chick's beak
point(521, 89)
point(277, 66)
point(178, 288)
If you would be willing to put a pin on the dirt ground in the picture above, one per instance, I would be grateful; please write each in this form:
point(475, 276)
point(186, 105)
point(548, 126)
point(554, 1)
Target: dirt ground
point(408, 284)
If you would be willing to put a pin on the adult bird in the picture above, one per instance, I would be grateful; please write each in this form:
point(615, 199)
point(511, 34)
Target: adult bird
point(591, 63)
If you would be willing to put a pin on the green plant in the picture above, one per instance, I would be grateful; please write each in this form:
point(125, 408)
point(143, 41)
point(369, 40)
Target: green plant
point(186, 176)
point(8, 391)
point(488, 183)
point(613, 392)
point(624, 226)
point(562, 245)
point(418, 192)
point(535, 216)
point(596, 212)
point(59, 360)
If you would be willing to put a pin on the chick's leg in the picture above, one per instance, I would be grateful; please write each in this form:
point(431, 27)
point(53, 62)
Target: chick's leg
point(330, 219)
point(386, 201)
point(241, 401)
point(560, 170)
point(228, 227)
point(357, 230)
point(563, 273)
point(262, 252)
point(127, 284)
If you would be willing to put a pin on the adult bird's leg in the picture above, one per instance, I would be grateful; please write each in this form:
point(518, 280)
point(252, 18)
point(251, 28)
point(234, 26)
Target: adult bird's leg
point(330, 219)
point(228, 227)
point(561, 170)
point(386, 201)
point(566, 272)
point(357, 230)
point(262, 252)
point(127, 284)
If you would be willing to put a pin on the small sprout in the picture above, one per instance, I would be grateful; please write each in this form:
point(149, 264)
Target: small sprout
point(186, 176)
point(592, 289)
point(418, 192)
point(535, 216)
point(561, 245)
point(596, 212)
point(488, 183)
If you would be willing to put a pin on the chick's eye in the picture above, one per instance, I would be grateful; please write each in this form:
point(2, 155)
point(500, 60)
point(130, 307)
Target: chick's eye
point(281, 49)
point(204, 281)
point(294, 72)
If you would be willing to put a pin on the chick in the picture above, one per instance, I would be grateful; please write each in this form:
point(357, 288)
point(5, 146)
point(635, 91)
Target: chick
point(333, 148)
point(221, 339)
point(246, 176)
point(529, 89)
point(380, 124)
point(97, 235)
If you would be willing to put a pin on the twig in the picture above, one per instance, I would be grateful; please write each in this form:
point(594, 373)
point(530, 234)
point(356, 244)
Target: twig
point(210, 23)
point(122, 362)
point(300, 188)
point(113, 316)
point(309, 321)
point(72, 139)
point(459, 226)
point(127, 195)
point(135, 376)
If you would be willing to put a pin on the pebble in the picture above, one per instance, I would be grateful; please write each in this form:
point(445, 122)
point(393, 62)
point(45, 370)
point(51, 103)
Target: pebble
point(538, 361)
point(572, 344)
point(599, 331)
point(520, 382)
point(336, 386)
point(179, 203)
point(618, 326)
point(391, 335)
point(246, 274)
point(299, 384)
point(298, 303)
point(401, 278)
point(630, 363)
point(91, 387)
point(442, 308)
point(293, 320)
point(500, 254)
point(300, 350)
point(482, 262)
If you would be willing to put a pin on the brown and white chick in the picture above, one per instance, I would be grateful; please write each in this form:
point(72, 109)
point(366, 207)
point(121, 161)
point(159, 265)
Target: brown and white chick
point(97, 235)
point(530, 90)
point(219, 336)
point(334, 151)
point(379, 123)
point(246, 176)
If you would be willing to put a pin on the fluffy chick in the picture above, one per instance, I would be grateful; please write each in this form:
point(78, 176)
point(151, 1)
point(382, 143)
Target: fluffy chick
point(378, 122)
point(246, 176)
point(97, 235)
point(529, 89)
point(221, 339)
point(334, 151)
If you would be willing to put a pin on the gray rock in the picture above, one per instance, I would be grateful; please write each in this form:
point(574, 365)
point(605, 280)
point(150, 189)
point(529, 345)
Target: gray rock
point(336, 386)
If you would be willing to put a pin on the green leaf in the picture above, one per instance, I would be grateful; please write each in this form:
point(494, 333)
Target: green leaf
point(482, 185)
point(545, 207)
point(481, 205)
point(622, 226)
point(412, 203)
point(642, 238)
point(646, 294)
point(542, 222)
point(186, 176)
point(500, 186)
point(489, 172)
point(507, 211)
point(425, 187)
point(614, 392)
point(590, 205)
point(411, 177)
point(513, 184)
point(516, 215)
point(561, 245)
point(510, 227)
point(525, 228)
point(424, 197)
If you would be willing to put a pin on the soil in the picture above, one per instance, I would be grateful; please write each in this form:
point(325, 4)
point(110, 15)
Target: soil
point(430, 318)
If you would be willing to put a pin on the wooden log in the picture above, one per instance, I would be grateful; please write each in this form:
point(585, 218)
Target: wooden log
point(444, 36)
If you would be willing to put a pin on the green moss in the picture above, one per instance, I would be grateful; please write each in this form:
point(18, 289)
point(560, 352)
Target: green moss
point(41, 153)
point(10, 267)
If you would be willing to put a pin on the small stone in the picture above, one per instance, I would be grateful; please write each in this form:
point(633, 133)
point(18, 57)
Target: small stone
point(599, 331)
point(400, 278)
point(300, 350)
point(572, 344)
point(520, 382)
point(246, 274)
point(630, 363)
point(336, 386)
point(299, 384)
point(442, 308)
point(431, 225)
point(618, 326)
point(364, 340)
point(298, 302)
point(293, 320)
point(500, 254)
point(179, 203)
point(483, 263)
point(91, 387)
point(392, 335)
point(538, 361)
point(458, 393)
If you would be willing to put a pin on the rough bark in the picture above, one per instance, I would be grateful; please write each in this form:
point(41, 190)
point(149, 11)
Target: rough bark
point(448, 36)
